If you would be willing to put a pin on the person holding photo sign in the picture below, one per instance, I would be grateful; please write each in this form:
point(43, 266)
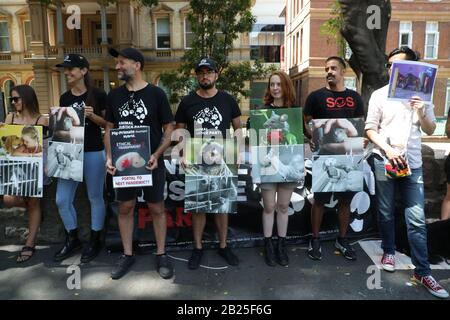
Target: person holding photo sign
point(25, 102)
point(204, 113)
point(138, 103)
point(394, 128)
point(81, 98)
point(279, 93)
point(332, 102)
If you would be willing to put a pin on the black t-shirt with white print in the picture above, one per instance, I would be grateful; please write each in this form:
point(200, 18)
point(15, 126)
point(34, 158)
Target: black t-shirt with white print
point(327, 104)
point(207, 116)
point(146, 107)
point(92, 132)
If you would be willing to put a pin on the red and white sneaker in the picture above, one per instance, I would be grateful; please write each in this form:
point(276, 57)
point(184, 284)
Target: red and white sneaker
point(388, 262)
point(432, 286)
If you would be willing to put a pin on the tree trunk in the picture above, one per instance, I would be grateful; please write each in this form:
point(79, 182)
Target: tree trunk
point(368, 45)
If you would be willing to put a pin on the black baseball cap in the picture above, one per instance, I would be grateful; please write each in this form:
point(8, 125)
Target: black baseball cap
point(206, 63)
point(74, 60)
point(129, 53)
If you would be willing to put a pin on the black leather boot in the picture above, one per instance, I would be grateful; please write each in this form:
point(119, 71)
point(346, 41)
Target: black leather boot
point(282, 257)
point(92, 249)
point(71, 245)
point(269, 252)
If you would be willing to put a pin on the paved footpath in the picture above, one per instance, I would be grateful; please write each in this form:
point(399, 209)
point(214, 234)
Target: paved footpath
point(332, 278)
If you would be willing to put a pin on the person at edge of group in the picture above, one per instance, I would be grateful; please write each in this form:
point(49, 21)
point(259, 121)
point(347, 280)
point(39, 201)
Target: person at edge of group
point(280, 93)
point(26, 112)
point(445, 208)
point(83, 96)
point(331, 102)
point(139, 103)
point(222, 107)
point(394, 128)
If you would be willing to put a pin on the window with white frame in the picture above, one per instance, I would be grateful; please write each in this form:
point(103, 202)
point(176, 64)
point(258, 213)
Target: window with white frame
point(163, 33)
point(188, 34)
point(405, 34)
point(431, 40)
point(447, 98)
point(4, 37)
point(27, 34)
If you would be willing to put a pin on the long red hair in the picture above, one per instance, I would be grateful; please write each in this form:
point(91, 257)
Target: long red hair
point(286, 86)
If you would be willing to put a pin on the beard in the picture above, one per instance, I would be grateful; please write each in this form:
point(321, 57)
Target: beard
point(125, 76)
point(206, 86)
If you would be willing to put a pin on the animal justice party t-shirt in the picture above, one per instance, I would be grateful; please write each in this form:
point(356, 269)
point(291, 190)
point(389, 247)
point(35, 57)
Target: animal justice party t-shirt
point(146, 107)
point(207, 116)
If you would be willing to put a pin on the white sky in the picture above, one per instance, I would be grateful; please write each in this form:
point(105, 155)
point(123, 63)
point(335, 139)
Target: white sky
point(267, 11)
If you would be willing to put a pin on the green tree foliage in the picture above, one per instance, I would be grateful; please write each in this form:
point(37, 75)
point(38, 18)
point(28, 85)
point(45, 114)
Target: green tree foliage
point(215, 25)
point(332, 27)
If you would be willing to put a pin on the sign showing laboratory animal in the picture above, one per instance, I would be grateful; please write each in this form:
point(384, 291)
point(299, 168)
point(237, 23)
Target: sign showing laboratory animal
point(211, 176)
point(337, 147)
point(66, 143)
point(277, 151)
point(130, 152)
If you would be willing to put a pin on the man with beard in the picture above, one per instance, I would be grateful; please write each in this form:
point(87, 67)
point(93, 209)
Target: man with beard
point(331, 102)
point(134, 104)
point(205, 113)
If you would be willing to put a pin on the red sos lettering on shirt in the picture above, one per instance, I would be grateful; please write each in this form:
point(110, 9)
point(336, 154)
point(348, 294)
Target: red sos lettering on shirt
point(340, 102)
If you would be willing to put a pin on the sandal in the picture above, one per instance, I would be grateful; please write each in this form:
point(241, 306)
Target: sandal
point(22, 257)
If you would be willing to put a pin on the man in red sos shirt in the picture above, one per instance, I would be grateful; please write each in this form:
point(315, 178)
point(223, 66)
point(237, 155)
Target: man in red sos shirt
point(331, 102)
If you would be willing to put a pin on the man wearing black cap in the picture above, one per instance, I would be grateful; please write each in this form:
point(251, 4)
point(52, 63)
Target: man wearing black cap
point(208, 112)
point(138, 103)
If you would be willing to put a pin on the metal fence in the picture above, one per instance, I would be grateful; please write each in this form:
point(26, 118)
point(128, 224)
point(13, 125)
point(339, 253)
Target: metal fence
point(21, 177)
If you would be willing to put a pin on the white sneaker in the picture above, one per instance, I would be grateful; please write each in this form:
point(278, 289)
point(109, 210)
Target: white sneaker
point(388, 262)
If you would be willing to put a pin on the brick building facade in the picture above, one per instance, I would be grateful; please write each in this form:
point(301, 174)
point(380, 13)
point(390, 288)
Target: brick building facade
point(423, 25)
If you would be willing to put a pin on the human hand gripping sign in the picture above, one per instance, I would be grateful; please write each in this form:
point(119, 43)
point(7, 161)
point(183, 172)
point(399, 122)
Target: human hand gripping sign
point(67, 125)
point(335, 136)
point(152, 164)
point(88, 111)
point(69, 112)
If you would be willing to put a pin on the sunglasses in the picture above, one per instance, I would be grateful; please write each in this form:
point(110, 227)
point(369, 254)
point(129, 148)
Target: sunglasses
point(14, 99)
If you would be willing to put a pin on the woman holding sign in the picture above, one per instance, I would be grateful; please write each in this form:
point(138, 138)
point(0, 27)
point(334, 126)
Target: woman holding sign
point(24, 100)
point(279, 93)
point(82, 98)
